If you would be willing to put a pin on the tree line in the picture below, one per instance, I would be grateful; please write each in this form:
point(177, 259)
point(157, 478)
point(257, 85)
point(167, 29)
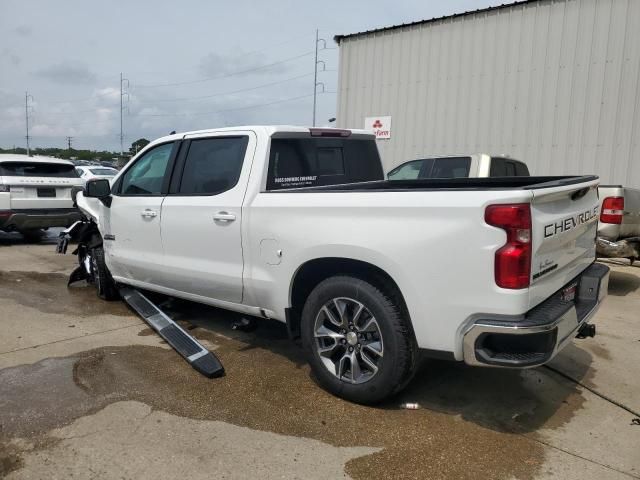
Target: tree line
point(66, 153)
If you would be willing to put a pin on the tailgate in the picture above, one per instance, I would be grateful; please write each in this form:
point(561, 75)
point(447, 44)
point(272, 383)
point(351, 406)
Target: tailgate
point(564, 225)
point(39, 193)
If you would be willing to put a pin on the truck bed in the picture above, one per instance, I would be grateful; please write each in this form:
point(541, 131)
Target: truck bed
point(494, 183)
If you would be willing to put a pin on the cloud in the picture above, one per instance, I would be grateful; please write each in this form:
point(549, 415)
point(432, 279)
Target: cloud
point(70, 73)
point(13, 59)
point(23, 30)
point(215, 65)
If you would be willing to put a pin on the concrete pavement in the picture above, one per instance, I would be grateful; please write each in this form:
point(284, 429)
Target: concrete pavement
point(86, 390)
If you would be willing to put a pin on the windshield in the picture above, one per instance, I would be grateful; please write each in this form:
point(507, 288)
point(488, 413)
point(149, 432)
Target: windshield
point(39, 169)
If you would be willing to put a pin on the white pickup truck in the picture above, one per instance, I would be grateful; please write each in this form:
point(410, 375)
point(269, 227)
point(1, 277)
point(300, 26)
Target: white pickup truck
point(299, 225)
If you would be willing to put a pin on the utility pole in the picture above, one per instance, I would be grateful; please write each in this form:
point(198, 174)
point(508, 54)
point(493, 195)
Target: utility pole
point(315, 75)
point(69, 142)
point(27, 98)
point(122, 95)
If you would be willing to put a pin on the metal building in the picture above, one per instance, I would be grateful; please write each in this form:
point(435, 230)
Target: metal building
point(552, 82)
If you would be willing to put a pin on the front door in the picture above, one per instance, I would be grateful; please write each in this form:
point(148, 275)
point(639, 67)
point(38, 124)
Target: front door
point(202, 215)
point(132, 241)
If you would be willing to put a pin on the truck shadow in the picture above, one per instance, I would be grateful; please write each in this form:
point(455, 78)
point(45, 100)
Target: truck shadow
point(622, 284)
point(48, 237)
point(503, 400)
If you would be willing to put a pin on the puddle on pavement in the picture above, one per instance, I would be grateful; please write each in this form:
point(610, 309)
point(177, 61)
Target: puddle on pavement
point(469, 424)
point(270, 389)
point(48, 292)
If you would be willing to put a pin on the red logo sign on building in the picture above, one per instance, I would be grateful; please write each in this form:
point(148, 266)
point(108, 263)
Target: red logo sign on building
point(381, 126)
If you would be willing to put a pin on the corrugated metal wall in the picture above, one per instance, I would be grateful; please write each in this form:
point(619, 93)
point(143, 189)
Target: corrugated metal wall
point(554, 83)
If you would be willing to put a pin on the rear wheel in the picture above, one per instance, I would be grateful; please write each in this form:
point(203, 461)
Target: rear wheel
point(358, 341)
point(32, 234)
point(104, 283)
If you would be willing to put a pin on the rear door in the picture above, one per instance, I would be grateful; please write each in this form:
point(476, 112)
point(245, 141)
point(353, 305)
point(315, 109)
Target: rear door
point(202, 216)
point(132, 224)
point(564, 225)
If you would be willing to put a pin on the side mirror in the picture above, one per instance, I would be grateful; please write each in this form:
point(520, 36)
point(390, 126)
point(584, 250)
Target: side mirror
point(98, 188)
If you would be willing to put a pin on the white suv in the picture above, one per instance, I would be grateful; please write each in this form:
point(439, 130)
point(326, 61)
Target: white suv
point(35, 193)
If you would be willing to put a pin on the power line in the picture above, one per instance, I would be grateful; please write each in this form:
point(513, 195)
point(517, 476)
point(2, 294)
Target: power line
point(233, 91)
point(74, 100)
point(194, 114)
point(226, 75)
point(237, 55)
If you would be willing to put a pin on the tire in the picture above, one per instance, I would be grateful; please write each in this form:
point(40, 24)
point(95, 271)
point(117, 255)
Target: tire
point(105, 286)
point(385, 350)
point(32, 234)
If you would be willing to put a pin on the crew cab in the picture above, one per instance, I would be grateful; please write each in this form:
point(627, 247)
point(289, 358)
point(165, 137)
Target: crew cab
point(299, 225)
point(35, 193)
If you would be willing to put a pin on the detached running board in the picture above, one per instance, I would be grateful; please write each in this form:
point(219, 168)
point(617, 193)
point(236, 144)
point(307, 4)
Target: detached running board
point(191, 350)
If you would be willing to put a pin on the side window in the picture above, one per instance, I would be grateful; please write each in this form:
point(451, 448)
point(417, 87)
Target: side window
point(521, 169)
point(451, 167)
point(408, 171)
point(510, 168)
point(146, 175)
point(213, 165)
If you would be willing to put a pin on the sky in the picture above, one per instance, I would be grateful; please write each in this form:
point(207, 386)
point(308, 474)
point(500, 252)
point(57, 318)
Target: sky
point(188, 65)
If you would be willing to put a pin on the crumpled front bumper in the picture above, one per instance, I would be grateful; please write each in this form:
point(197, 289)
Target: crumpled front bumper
point(537, 336)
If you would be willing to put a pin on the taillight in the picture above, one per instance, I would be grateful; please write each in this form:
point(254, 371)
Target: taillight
point(513, 259)
point(612, 210)
point(329, 132)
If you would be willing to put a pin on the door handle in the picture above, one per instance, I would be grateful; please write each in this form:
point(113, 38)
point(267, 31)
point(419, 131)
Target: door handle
point(147, 213)
point(224, 217)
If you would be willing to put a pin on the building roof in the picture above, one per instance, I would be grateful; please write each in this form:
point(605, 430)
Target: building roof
point(339, 38)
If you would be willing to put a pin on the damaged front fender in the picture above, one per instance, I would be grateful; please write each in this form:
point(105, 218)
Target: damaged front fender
point(88, 236)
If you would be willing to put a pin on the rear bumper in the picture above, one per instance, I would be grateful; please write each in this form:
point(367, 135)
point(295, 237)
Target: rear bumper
point(537, 336)
point(38, 218)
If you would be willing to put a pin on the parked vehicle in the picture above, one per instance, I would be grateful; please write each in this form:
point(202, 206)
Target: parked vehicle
point(299, 225)
point(619, 229)
point(459, 166)
point(35, 193)
point(96, 171)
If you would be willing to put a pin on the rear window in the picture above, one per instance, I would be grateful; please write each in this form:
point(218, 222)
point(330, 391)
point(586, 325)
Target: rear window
point(450, 167)
point(103, 171)
point(506, 167)
point(305, 162)
point(33, 169)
